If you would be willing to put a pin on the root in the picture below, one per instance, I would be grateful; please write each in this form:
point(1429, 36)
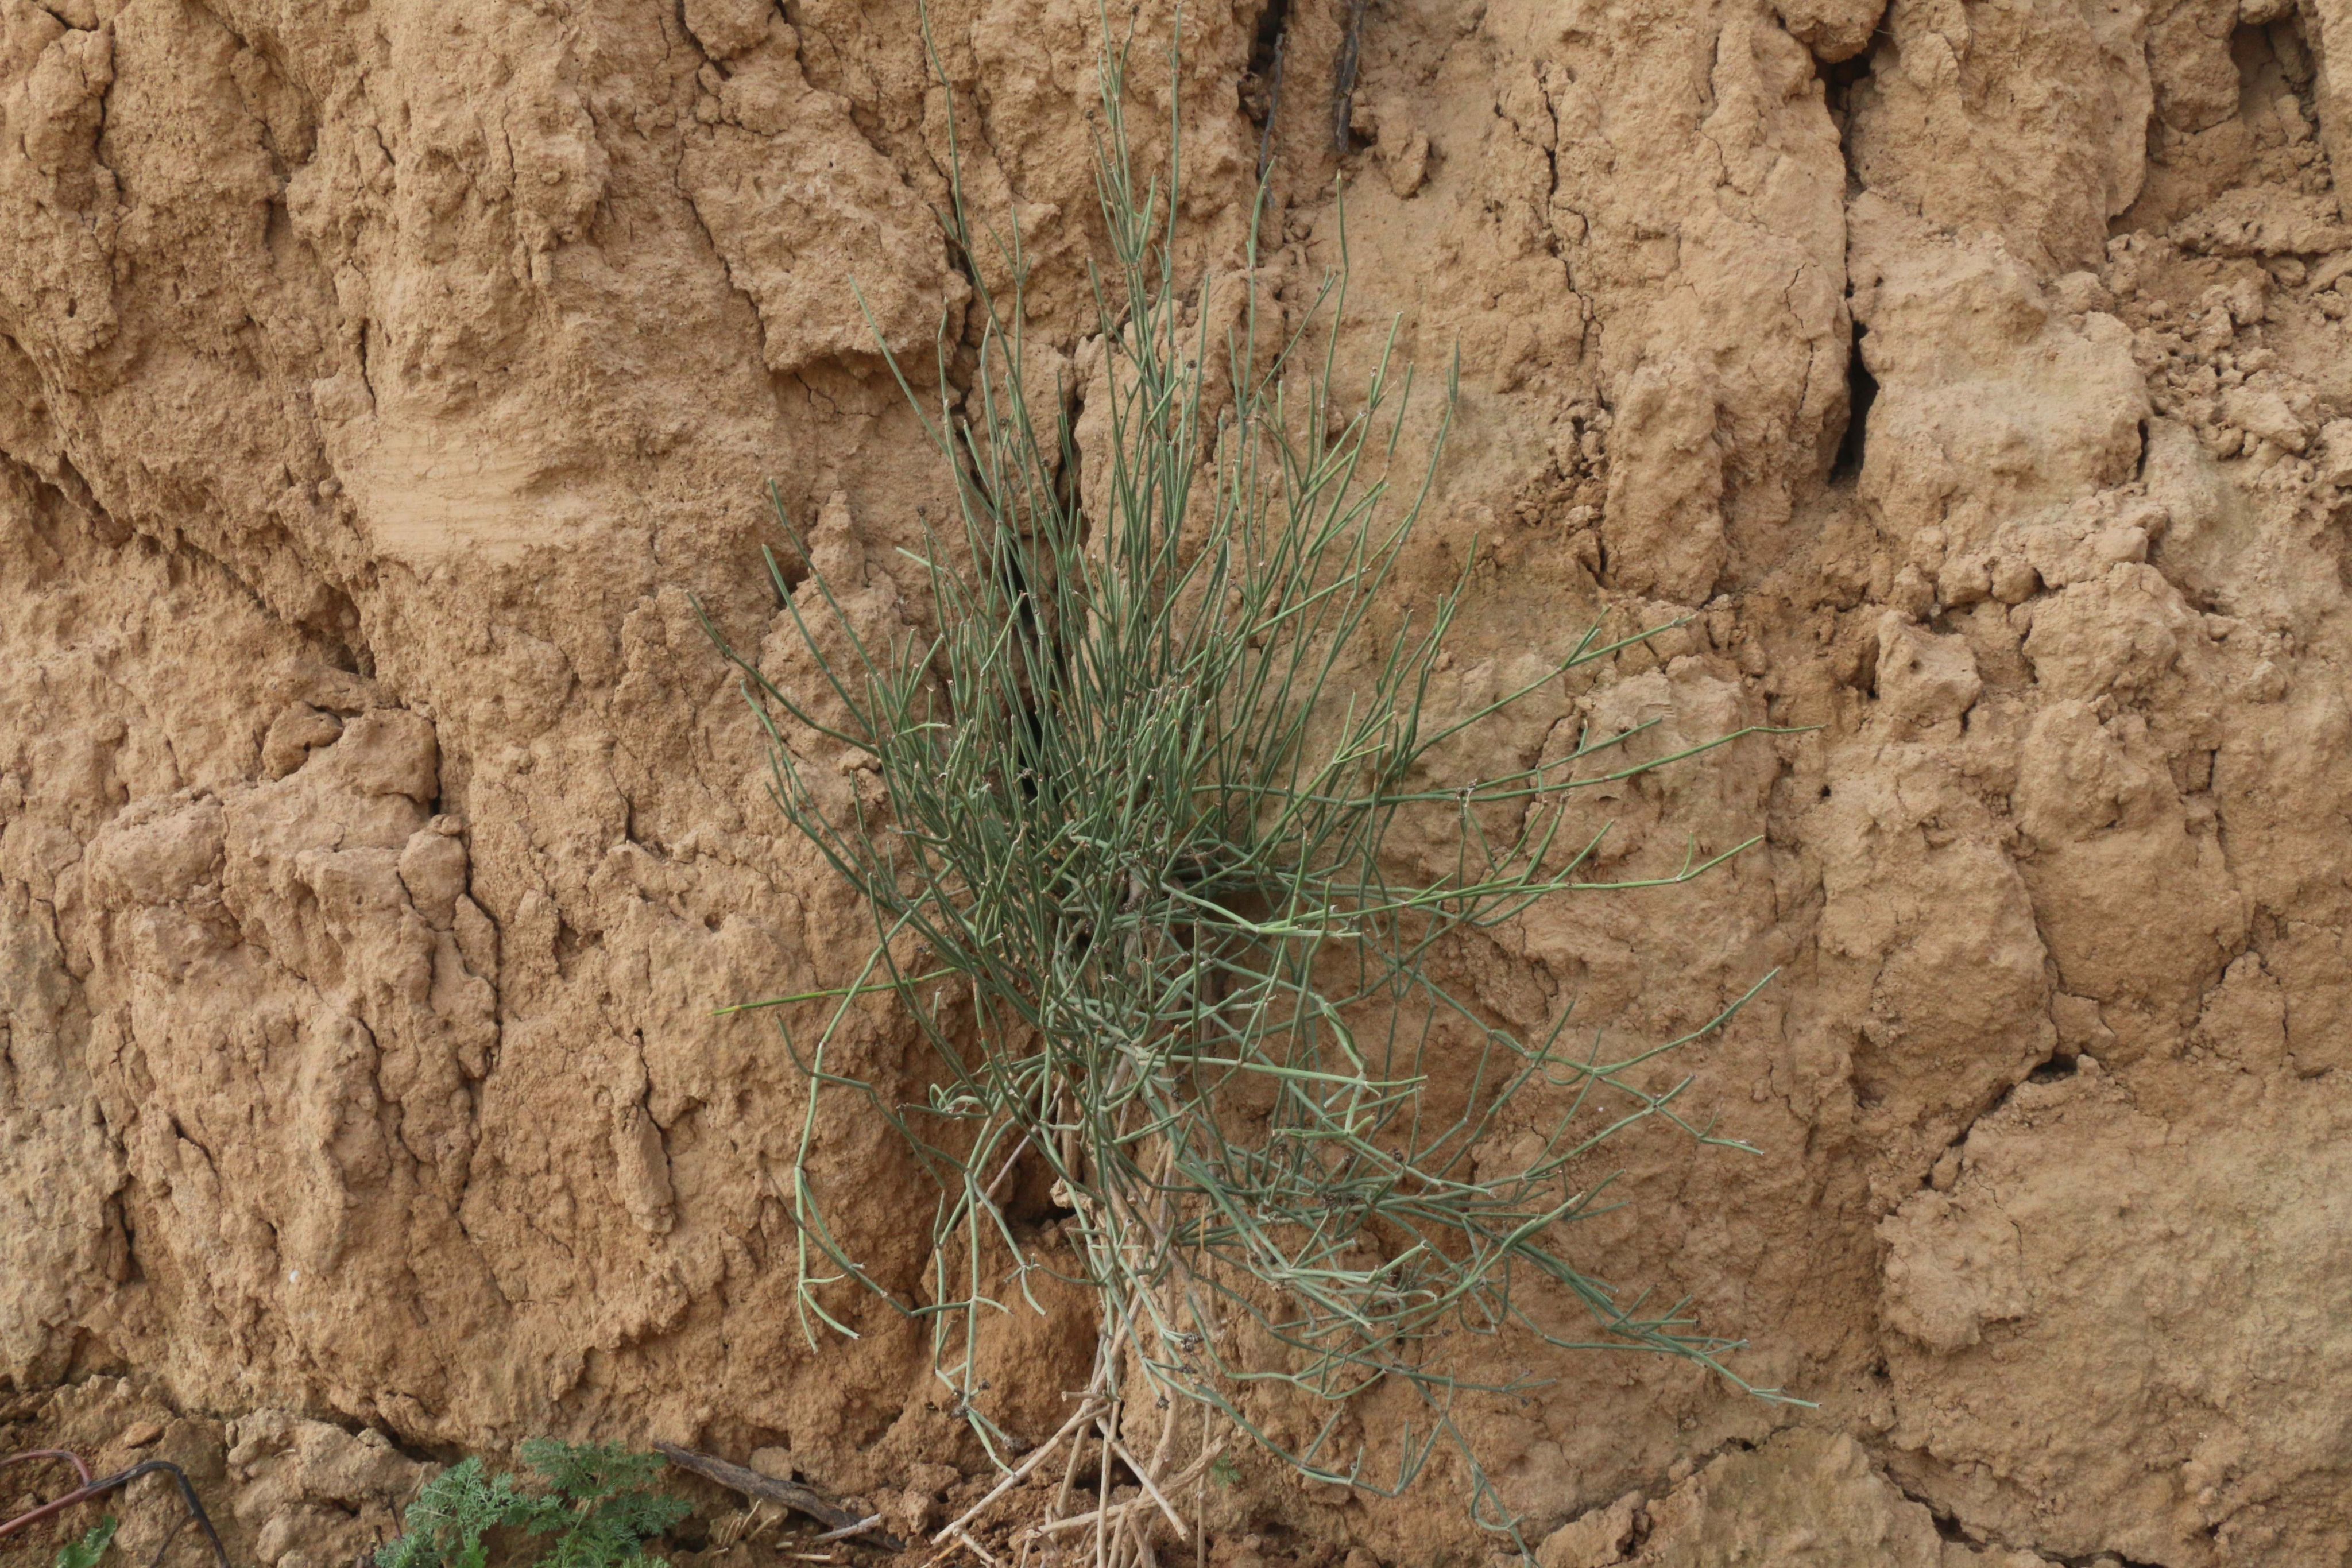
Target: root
point(1111, 1534)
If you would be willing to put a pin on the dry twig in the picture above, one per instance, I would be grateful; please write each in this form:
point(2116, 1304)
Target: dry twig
point(791, 1494)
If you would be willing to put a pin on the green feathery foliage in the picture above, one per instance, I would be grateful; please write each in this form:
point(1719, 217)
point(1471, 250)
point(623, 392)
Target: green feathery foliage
point(596, 1500)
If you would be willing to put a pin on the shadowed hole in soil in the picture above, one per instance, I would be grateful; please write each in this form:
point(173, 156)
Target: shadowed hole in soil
point(1261, 84)
point(1839, 84)
point(1265, 49)
point(1861, 392)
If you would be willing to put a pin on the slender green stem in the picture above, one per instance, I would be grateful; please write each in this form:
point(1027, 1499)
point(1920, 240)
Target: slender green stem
point(1146, 790)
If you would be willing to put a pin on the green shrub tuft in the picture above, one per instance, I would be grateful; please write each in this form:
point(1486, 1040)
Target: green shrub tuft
point(1149, 868)
point(596, 1500)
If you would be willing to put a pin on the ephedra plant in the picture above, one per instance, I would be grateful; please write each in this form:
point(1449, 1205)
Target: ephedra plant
point(1134, 873)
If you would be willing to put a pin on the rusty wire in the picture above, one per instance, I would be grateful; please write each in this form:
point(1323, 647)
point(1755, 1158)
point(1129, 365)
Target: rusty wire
point(91, 1487)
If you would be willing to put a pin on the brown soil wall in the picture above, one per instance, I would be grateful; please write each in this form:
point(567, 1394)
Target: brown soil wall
point(379, 378)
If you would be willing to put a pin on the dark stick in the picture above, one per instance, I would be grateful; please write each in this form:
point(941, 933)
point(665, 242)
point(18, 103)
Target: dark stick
point(792, 1494)
point(91, 1488)
point(1343, 101)
point(1273, 105)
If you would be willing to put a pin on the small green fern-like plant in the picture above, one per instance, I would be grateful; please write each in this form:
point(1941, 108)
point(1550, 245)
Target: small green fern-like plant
point(86, 1551)
point(596, 1500)
point(1171, 861)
